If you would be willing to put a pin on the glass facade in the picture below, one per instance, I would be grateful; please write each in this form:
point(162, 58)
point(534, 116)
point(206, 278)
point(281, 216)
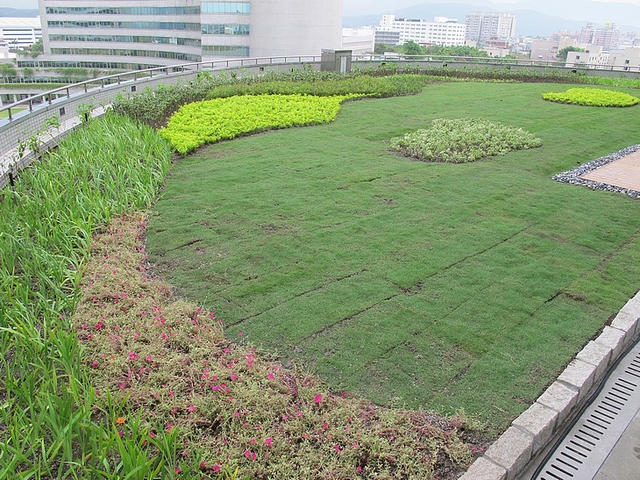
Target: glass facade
point(135, 25)
point(225, 50)
point(123, 10)
point(75, 64)
point(226, 7)
point(126, 53)
point(225, 29)
point(190, 42)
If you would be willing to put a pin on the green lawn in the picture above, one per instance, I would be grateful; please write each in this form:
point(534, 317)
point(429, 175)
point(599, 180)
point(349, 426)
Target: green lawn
point(434, 286)
point(5, 113)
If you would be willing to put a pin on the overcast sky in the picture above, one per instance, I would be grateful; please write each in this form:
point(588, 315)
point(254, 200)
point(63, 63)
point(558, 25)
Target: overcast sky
point(351, 7)
point(357, 7)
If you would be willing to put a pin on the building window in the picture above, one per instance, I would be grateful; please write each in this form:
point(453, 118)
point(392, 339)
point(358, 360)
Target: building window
point(133, 25)
point(225, 50)
point(127, 53)
point(225, 7)
point(191, 42)
point(226, 29)
point(123, 10)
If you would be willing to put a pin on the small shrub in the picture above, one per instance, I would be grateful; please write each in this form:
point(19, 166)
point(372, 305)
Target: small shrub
point(462, 141)
point(592, 97)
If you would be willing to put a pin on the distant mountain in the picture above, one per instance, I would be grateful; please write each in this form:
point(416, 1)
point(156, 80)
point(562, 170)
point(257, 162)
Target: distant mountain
point(19, 12)
point(539, 18)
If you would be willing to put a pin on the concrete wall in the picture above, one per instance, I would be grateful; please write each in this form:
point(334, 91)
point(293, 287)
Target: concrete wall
point(280, 27)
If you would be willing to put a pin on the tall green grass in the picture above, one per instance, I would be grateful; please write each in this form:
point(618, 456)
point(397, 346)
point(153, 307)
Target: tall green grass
point(49, 425)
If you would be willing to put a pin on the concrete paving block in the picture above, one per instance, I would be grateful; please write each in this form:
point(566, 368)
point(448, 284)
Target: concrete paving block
point(484, 469)
point(512, 450)
point(560, 398)
point(612, 338)
point(628, 324)
point(540, 421)
point(579, 374)
point(632, 307)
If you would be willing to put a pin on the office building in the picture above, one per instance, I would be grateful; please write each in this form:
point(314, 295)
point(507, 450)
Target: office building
point(19, 32)
point(442, 31)
point(134, 34)
point(485, 26)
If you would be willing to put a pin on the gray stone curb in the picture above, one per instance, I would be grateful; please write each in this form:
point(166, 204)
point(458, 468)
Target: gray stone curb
point(528, 434)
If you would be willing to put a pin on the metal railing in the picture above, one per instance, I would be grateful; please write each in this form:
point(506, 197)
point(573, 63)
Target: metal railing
point(119, 78)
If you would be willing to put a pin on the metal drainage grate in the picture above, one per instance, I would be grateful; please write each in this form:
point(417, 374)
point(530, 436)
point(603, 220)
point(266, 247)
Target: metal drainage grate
point(585, 448)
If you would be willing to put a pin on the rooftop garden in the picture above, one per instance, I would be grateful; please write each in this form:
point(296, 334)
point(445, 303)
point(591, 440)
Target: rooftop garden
point(333, 309)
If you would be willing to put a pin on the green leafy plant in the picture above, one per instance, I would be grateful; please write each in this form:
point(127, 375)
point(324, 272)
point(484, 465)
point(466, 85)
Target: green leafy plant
point(592, 97)
point(462, 141)
point(220, 119)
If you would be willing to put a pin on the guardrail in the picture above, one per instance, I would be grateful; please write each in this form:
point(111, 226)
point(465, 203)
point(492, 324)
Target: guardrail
point(28, 129)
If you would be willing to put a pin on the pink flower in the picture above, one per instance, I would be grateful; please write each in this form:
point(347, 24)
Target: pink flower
point(217, 467)
point(133, 356)
point(317, 398)
point(94, 364)
point(269, 442)
point(250, 455)
point(240, 334)
point(337, 448)
point(359, 469)
point(270, 376)
point(233, 377)
point(178, 470)
point(169, 426)
point(148, 358)
point(252, 441)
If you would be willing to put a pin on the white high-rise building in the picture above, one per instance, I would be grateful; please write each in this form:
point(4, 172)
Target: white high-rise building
point(485, 26)
point(133, 34)
point(19, 32)
point(442, 31)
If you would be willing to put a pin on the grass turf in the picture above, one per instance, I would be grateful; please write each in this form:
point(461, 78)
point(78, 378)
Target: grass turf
point(440, 286)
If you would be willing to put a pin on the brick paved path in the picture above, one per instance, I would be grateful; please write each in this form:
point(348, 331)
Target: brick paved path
point(624, 173)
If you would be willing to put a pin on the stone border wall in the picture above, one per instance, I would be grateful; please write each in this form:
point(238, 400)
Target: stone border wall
point(528, 434)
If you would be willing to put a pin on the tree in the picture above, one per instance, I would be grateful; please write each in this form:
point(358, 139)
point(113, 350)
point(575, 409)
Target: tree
point(455, 51)
point(381, 48)
point(564, 52)
point(412, 48)
point(7, 70)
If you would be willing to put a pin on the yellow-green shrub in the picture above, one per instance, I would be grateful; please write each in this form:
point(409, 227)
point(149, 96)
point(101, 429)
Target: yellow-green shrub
point(593, 97)
point(209, 121)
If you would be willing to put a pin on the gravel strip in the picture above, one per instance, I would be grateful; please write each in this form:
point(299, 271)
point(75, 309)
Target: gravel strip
point(573, 176)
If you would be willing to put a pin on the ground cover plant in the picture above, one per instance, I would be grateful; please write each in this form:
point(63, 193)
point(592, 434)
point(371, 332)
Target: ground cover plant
point(415, 284)
point(209, 121)
point(462, 140)
point(592, 97)
point(230, 408)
